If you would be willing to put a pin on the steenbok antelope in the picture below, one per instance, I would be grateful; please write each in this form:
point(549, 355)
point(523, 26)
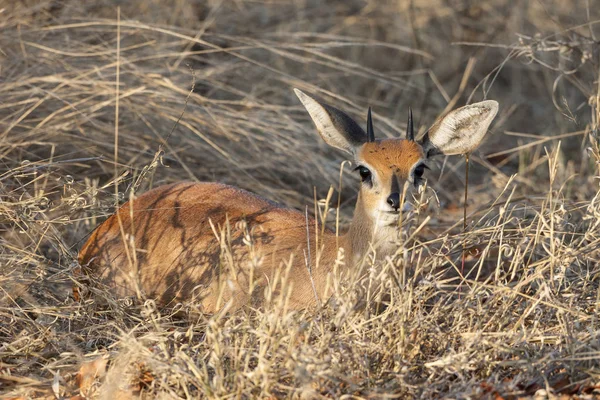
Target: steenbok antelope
point(215, 244)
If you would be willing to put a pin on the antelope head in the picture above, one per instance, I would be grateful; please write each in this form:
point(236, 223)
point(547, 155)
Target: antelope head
point(384, 165)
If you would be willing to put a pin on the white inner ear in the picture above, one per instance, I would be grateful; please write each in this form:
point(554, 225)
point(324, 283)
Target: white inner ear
point(461, 130)
point(324, 124)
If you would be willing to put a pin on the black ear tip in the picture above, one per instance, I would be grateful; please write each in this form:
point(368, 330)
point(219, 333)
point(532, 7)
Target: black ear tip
point(370, 131)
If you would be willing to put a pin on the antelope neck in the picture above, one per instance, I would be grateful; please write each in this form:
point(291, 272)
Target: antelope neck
point(363, 234)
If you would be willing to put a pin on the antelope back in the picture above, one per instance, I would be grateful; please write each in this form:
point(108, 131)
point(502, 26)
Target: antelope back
point(208, 243)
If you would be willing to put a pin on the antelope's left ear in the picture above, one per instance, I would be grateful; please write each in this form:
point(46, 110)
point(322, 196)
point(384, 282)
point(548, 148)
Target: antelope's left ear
point(461, 130)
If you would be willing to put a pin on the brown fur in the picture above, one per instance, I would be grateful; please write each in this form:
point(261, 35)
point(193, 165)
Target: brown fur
point(168, 242)
point(391, 156)
point(179, 258)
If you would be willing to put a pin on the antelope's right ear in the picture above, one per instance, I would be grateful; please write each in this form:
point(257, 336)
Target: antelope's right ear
point(335, 127)
point(461, 130)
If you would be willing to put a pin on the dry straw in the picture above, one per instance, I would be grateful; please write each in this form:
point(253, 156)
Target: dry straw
point(524, 322)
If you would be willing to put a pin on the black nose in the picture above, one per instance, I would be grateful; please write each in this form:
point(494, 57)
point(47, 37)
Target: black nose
point(394, 200)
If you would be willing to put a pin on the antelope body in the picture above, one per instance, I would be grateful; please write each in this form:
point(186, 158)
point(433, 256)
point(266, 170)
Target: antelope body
point(215, 244)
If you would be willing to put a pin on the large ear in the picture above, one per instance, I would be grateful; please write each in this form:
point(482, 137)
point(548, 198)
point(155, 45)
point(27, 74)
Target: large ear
point(461, 130)
point(335, 127)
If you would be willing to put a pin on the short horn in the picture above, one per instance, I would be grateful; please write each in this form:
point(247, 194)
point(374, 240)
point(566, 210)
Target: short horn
point(410, 132)
point(370, 132)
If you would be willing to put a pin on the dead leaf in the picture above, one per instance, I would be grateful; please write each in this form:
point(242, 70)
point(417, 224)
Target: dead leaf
point(89, 372)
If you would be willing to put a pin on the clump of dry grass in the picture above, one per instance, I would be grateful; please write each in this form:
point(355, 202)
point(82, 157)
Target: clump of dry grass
point(518, 318)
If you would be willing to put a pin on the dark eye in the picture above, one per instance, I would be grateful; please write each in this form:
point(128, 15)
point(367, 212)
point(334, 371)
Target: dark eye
point(418, 174)
point(365, 174)
point(419, 170)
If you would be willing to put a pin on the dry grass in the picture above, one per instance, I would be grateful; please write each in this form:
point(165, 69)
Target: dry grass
point(521, 322)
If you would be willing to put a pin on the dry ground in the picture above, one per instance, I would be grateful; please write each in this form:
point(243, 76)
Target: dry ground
point(522, 323)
